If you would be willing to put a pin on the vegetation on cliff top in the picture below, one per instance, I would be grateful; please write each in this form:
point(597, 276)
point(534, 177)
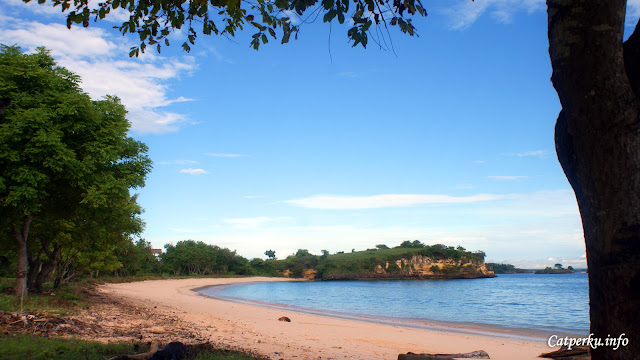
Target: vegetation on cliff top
point(557, 269)
point(506, 269)
point(362, 264)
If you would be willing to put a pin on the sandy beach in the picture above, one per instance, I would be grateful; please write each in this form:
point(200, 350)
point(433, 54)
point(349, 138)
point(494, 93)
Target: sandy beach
point(307, 336)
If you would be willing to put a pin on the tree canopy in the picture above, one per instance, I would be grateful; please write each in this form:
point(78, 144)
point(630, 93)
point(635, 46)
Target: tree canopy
point(66, 164)
point(155, 20)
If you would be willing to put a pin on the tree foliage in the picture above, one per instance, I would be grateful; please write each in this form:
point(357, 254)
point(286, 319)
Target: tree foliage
point(66, 168)
point(154, 20)
point(191, 257)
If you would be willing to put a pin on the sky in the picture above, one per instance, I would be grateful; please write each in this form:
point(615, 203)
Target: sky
point(447, 138)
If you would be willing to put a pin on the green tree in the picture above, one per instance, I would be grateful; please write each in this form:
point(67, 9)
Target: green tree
point(136, 258)
point(271, 254)
point(381, 247)
point(59, 150)
point(558, 266)
point(596, 76)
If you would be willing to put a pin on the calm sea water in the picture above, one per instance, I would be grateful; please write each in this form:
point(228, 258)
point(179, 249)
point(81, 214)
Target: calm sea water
point(550, 303)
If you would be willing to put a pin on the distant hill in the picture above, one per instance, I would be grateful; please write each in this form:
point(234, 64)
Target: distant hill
point(506, 269)
point(409, 260)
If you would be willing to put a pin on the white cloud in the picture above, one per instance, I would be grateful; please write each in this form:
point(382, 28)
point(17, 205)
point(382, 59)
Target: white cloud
point(506, 177)
point(101, 59)
point(464, 13)
point(336, 202)
point(253, 196)
point(194, 171)
point(184, 230)
point(219, 155)
point(633, 12)
point(116, 16)
point(533, 153)
point(254, 221)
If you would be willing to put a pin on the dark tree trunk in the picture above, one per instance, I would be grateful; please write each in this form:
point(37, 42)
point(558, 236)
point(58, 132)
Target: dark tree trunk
point(21, 236)
point(48, 268)
point(35, 263)
point(598, 145)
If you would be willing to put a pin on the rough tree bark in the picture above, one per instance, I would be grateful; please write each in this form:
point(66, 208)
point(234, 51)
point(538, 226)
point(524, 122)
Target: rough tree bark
point(598, 145)
point(21, 236)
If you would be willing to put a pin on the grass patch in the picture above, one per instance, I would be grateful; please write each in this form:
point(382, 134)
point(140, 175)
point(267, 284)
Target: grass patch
point(21, 347)
point(62, 302)
point(36, 347)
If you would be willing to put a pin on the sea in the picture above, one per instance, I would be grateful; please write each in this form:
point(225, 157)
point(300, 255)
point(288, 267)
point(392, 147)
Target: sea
point(530, 305)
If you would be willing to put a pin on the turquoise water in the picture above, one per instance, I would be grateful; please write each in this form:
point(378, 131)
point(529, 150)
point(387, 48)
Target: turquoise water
point(550, 303)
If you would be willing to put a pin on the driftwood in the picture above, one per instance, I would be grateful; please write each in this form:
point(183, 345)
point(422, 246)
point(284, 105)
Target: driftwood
point(152, 350)
point(284, 318)
point(576, 353)
point(480, 354)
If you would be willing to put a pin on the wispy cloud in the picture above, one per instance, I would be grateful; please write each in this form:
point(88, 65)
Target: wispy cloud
point(532, 153)
point(335, 202)
point(102, 61)
point(223, 155)
point(117, 15)
point(253, 196)
point(194, 171)
point(633, 12)
point(177, 162)
point(255, 221)
point(464, 13)
point(184, 230)
point(506, 177)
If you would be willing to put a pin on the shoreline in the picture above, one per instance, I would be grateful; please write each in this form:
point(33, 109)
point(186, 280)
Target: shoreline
point(525, 334)
point(256, 328)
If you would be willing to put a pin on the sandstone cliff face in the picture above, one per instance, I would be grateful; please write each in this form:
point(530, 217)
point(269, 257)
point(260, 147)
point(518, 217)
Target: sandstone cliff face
point(422, 267)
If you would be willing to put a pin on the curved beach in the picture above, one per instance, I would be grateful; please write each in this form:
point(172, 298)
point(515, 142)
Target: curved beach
point(307, 336)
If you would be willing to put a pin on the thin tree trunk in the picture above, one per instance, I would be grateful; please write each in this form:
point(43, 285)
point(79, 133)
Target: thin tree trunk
point(21, 237)
point(598, 145)
point(48, 268)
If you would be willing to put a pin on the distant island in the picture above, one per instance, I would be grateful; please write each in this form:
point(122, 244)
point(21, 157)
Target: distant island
point(557, 269)
point(507, 269)
point(409, 260)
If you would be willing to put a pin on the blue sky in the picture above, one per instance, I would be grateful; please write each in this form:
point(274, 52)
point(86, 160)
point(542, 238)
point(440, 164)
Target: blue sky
point(318, 145)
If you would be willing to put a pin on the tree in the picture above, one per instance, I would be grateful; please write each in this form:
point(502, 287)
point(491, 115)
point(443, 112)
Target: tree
point(596, 76)
point(271, 254)
point(59, 150)
point(381, 247)
point(558, 266)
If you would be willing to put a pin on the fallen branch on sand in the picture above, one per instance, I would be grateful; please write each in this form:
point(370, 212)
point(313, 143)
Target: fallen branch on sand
point(577, 353)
